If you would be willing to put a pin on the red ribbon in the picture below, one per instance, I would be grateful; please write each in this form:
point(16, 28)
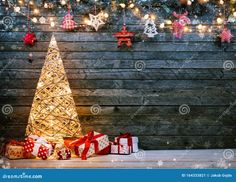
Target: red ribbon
point(129, 139)
point(87, 141)
point(15, 142)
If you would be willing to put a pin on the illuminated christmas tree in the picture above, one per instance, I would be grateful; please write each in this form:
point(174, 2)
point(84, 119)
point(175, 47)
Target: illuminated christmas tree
point(53, 114)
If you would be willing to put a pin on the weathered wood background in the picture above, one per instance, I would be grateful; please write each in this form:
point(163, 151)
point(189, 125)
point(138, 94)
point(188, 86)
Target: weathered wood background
point(145, 103)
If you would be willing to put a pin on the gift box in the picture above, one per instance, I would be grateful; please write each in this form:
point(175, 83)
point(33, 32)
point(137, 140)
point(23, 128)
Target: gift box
point(38, 147)
point(127, 139)
point(120, 149)
point(92, 143)
point(63, 154)
point(15, 150)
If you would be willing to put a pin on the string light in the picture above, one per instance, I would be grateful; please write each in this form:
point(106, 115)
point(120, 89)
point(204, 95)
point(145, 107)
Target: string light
point(219, 20)
point(131, 5)
point(122, 5)
point(34, 20)
point(234, 14)
point(221, 2)
point(36, 11)
point(162, 25)
point(17, 9)
point(146, 17)
point(63, 2)
point(45, 5)
point(52, 24)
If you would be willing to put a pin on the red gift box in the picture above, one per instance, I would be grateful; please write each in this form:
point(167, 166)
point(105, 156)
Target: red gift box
point(92, 143)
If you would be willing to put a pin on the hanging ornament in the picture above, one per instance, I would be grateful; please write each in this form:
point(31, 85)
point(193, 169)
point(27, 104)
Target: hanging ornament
point(226, 35)
point(179, 24)
point(30, 37)
point(68, 22)
point(95, 21)
point(124, 37)
point(150, 28)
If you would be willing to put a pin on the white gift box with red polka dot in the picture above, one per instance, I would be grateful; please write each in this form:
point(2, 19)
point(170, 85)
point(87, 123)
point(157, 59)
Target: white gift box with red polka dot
point(38, 146)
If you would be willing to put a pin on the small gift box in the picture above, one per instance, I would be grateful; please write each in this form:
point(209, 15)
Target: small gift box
point(120, 149)
point(127, 139)
point(63, 154)
point(92, 143)
point(15, 150)
point(38, 147)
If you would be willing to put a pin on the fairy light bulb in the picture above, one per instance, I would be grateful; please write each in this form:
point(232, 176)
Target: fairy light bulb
point(31, 3)
point(146, 16)
point(168, 22)
point(153, 17)
point(162, 25)
point(221, 2)
point(20, 2)
point(122, 5)
point(136, 10)
point(17, 9)
point(106, 15)
point(234, 14)
point(219, 20)
point(199, 27)
point(63, 2)
point(186, 29)
point(46, 5)
point(131, 5)
point(52, 24)
point(189, 3)
point(36, 11)
point(86, 21)
point(34, 20)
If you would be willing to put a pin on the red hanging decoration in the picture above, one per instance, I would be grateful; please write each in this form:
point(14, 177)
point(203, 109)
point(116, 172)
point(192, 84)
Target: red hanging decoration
point(226, 35)
point(30, 37)
point(124, 37)
point(179, 24)
point(68, 23)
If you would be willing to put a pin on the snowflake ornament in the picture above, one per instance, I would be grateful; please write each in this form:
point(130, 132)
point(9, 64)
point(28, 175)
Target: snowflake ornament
point(95, 21)
point(42, 20)
point(150, 28)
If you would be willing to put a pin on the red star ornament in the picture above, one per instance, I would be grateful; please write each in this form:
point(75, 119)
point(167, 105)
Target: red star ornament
point(124, 37)
point(226, 35)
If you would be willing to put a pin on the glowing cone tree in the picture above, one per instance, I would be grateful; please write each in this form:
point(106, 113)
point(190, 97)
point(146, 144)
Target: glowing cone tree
point(53, 114)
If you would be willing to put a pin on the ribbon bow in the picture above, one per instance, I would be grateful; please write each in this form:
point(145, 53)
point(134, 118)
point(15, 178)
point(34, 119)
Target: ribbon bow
point(87, 141)
point(129, 140)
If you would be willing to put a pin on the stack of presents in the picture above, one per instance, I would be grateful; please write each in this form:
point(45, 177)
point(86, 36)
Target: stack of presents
point(93, 143)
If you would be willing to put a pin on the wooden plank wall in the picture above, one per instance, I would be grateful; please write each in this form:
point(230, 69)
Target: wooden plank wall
point(145, 103)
